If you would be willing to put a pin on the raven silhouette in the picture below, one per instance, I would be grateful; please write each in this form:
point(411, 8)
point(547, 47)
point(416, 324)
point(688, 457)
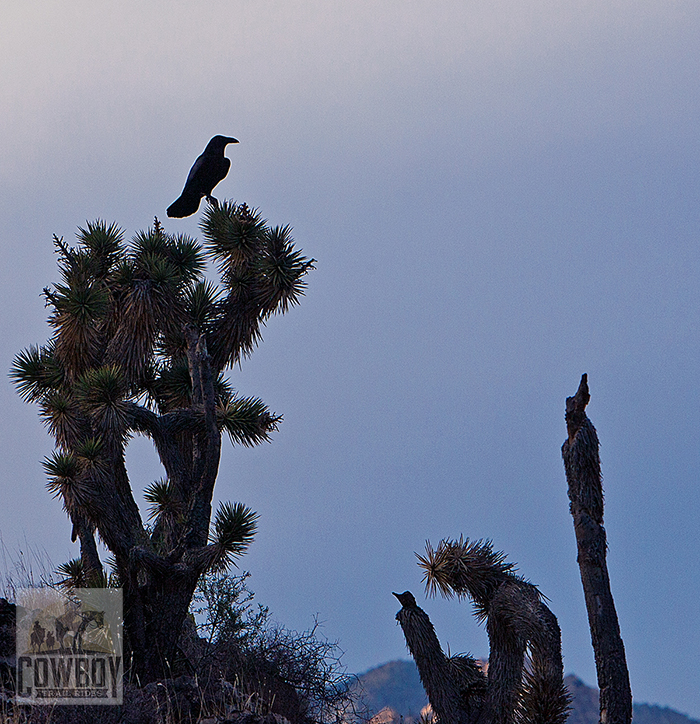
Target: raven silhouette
point(210, 168)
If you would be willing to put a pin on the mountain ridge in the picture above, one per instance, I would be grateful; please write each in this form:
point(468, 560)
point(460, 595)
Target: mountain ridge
point(395, 690)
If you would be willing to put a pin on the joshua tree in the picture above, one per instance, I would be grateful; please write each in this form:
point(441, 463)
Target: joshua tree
point(517, 621)
point(455, 686)
point(582, 465)
point(141, 340)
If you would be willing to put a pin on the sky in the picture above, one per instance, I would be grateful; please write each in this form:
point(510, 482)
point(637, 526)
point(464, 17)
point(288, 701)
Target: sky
point(500, 196)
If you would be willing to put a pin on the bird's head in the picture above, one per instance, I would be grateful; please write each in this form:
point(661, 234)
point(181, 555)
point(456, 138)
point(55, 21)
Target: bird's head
point(219, 143)
point(406, 599)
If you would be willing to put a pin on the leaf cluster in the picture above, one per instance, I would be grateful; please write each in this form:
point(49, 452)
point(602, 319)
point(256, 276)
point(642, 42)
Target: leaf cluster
point(75, 575)
point(465, 568)
point(234, 528)
point(126, 306)
point(261, 273)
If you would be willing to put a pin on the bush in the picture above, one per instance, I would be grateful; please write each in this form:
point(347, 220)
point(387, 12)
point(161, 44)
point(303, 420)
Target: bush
point(297, 674)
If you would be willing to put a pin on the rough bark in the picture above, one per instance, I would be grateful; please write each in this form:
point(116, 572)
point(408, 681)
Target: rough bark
point(517, 621)
point(161, 594)
point(582, 465)
point(90, 558)
point(455, 686)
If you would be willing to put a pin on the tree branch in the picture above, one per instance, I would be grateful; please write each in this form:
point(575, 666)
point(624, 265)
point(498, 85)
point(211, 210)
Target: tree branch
point(207, 447)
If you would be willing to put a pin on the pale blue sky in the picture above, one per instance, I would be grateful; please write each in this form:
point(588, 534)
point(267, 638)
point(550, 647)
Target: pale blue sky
point(500, 195)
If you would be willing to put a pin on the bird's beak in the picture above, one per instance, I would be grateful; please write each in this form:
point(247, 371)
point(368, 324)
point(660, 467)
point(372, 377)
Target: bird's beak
point(398, 595)
point(233, 140)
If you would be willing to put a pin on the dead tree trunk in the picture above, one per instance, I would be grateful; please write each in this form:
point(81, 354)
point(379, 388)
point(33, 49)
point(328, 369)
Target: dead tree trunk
point(582, 465)
point(455, 686)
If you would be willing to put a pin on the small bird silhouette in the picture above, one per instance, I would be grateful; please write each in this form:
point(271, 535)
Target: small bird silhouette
point(210, 168)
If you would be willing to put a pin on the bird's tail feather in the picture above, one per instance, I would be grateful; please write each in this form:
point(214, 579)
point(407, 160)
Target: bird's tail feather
point(186, 205)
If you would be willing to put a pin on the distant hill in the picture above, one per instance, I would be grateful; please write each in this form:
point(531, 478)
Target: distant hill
point(396, 687)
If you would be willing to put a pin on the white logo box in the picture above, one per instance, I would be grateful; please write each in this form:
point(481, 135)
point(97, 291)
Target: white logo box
point(69, 646)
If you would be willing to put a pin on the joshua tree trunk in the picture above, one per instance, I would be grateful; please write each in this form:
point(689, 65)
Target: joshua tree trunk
point(455, 686)
point(582, 465)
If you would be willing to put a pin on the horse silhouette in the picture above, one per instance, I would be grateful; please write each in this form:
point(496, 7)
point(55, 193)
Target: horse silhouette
point(37, 635)
point(88, 617)
point(74, 624)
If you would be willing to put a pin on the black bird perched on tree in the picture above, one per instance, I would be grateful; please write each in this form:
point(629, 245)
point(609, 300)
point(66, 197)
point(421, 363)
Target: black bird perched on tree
point(210, 168)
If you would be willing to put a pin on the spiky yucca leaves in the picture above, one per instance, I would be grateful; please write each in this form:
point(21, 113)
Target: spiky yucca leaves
point(75, 477)
point(234, 529)
point(283, 268)
point(247, 420)
point(64, 472)
point(517, 621)
point(167, 510)
point(163, 500)
point(542, 698)
point(36, 373)
point(262, 274)
point(102, 394)
point(76, 575)
point(80, 303)
point(233, 234)
point(171, 386)
point(73, 573)
point(200, 304)
point(78, 310)
point(465, 568)
point(150, 312)
point(67, 423)
point(103, 245)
